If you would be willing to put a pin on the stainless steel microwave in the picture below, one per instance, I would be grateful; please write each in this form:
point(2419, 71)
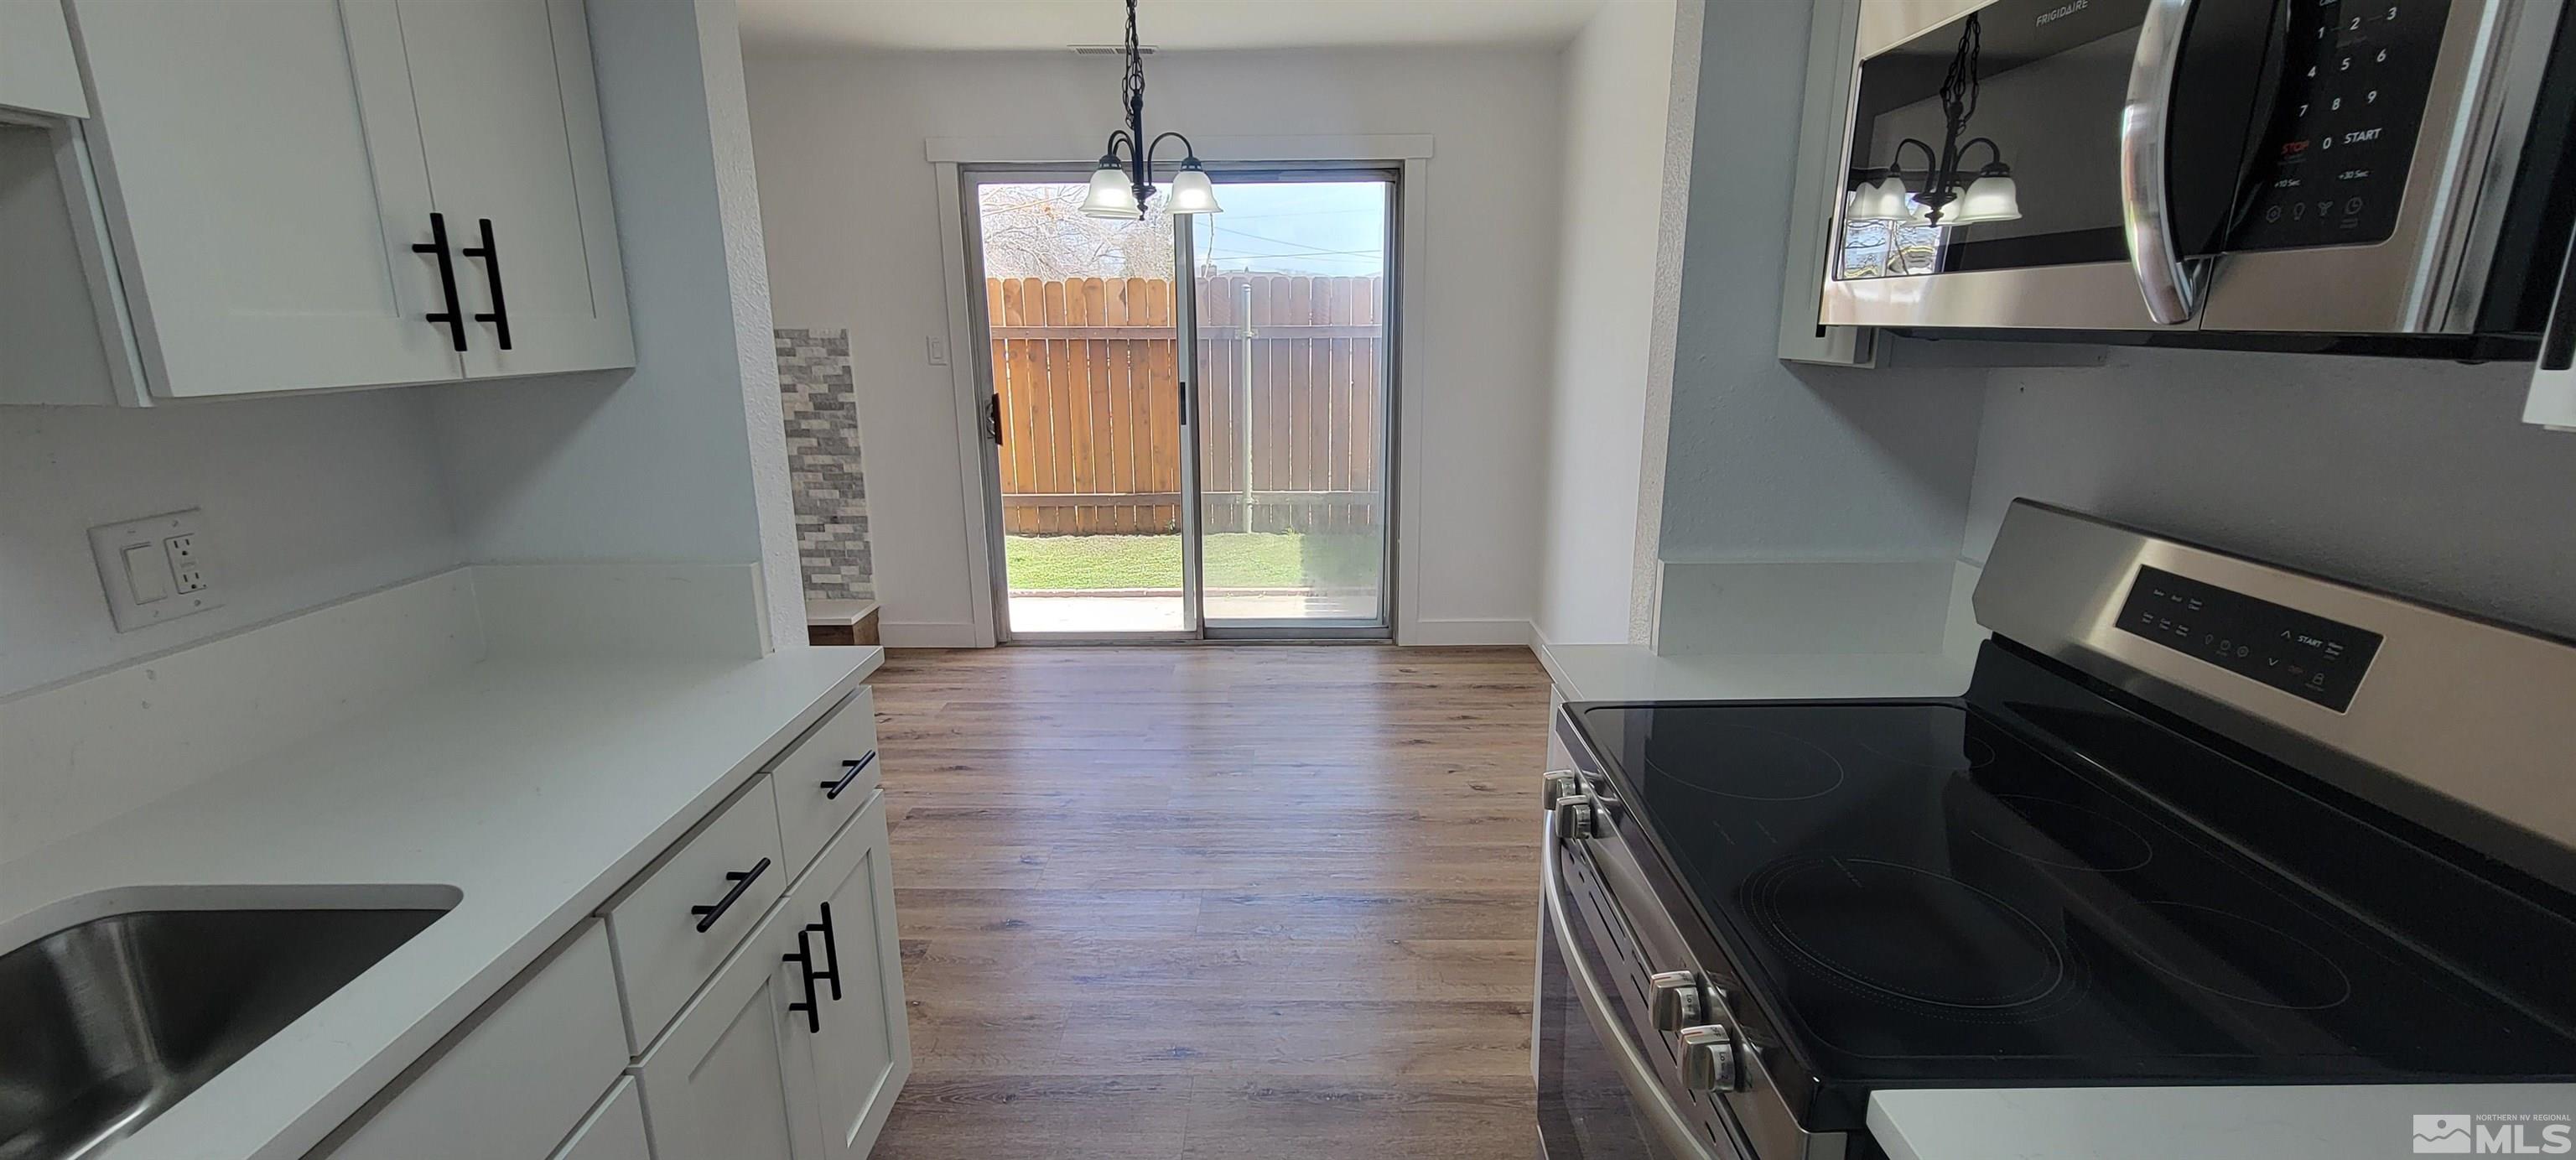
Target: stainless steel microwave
point(2381, 169)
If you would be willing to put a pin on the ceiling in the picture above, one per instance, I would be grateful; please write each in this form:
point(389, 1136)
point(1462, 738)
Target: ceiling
point(955, 25)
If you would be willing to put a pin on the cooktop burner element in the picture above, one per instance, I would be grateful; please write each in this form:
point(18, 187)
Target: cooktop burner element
point(1906, 931)
point(1760, 765)
point(2064, 835)
point(2264, 966)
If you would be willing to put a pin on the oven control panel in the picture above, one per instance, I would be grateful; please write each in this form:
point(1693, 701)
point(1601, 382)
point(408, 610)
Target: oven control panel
point(2332, 166)
point(2299, 653)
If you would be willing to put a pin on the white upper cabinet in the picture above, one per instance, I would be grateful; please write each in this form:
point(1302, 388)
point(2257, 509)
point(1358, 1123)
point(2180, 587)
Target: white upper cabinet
point(37, 70)
point(262, 168)
point(274, 175)
point(509, 119)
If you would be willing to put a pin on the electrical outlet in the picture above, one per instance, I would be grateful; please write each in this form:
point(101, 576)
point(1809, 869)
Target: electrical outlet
point(156, 568)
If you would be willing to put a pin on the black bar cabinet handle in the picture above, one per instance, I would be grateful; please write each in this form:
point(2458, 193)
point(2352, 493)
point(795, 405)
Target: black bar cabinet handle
point(490, 252)
point(831, 953)
point(849, 771)
point(741, 879)
point(437, 244)
point(804, 959)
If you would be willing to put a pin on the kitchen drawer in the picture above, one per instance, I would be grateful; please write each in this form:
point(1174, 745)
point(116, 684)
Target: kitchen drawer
point(814, 800)
point(518, 1077)
point(721, 877)
point(614, 1131)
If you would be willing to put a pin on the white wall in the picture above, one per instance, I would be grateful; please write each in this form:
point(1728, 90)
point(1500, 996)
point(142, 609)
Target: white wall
point(307, 500)
point(683, 459)
point(850, 210)
point(1611, 170)
point(2414, 477)
point(1858, 478)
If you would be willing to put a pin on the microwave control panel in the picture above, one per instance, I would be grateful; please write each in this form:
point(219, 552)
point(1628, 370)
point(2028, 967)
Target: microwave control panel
point(2332, 166)
point(2299, 653)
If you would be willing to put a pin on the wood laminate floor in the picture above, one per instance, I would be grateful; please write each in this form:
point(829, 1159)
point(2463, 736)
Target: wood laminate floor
point(1214, 902)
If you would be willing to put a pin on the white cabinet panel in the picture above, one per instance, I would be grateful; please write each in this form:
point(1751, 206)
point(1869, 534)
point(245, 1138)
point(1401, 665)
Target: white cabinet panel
point(662, 955)
point(519, 1079)
point(265, 184)
point(37, 69)
point(852, 1063)
point(825, 777)
point(715, 1086)
point(509, 119)
point(613, 1132)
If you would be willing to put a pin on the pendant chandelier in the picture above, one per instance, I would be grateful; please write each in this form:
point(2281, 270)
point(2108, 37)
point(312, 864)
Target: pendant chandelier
point(1121, 189)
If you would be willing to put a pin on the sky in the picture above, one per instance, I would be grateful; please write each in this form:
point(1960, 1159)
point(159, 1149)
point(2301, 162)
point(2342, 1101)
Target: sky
point(1310, 227)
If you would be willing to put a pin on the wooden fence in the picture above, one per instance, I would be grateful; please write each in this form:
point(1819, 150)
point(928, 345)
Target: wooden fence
point(1289, 427)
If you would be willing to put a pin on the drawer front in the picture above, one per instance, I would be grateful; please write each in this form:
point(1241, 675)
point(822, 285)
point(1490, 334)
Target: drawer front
point(720, 878)
point(520, 1077)
point(717, 1084)
point(613, 1132)
point(825, 777)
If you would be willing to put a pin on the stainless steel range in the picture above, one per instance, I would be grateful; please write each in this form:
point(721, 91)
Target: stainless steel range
point(2197, 820)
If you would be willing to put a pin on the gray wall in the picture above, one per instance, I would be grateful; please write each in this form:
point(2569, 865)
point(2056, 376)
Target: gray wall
point(307, 500)
point(2415, 477)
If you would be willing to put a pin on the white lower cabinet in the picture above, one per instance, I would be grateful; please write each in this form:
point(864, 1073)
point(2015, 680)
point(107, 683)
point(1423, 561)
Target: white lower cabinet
point(614, 1131)
point(715, 1085)
point(847, 1064)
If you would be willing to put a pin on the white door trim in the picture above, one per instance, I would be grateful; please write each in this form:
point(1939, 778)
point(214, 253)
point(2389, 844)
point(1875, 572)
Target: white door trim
point(1413, 283)
point(968, 397)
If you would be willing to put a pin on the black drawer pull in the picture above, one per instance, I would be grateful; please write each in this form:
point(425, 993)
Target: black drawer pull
point(804, 959)
point(741, 879)
point(831, 953)
point(490, 252)
point(849, 771)
point(437, 244)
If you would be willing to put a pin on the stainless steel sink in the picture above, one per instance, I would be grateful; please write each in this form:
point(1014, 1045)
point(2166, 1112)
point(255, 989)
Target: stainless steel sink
point(110, 1022)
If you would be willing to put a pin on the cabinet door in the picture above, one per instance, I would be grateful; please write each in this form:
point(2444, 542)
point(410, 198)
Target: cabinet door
point(37, 70)
point(615, 1131)
point(715, 1086)
point(509, 118)
point(265, 184)
point(859, 1052)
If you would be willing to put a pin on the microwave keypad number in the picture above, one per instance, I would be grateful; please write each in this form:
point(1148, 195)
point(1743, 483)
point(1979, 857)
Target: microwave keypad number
point(2353, 86)
point(2299, 653)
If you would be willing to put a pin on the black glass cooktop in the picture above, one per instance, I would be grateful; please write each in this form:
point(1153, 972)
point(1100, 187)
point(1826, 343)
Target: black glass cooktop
point(1914, 893)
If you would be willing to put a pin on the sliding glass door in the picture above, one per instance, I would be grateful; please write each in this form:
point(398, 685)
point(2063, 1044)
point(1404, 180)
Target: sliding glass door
point(1165, 463)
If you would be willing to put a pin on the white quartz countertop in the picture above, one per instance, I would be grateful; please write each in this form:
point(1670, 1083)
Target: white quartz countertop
point(1617, 672)
point(535, 789)
point(2340, 1122)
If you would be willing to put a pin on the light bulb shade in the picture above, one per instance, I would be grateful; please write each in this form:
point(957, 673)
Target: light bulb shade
point(1883, 200)
point(1192, 192)
point(1991, 198)
point(1110, 196)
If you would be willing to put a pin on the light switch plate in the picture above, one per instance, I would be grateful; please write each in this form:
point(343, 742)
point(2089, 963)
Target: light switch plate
point(174, 541)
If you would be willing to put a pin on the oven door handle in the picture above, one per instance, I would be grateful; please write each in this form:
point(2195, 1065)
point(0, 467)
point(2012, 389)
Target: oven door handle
point(2146, 206)
point(1635, 1070)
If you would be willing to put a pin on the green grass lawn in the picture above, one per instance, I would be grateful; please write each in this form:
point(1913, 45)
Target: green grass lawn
point(1233, 560)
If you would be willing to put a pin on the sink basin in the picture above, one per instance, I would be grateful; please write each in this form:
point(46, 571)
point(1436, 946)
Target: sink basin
point(113, 1020)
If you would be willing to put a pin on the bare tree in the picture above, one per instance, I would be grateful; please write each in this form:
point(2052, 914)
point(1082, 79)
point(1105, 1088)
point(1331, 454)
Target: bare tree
point(1040, 231)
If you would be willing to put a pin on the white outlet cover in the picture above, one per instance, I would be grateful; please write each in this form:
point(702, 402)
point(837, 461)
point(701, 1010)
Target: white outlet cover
point(108, 542)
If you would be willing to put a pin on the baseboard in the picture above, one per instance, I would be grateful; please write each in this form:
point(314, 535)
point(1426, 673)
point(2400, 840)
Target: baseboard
point(1464, 631)
point(930, 634)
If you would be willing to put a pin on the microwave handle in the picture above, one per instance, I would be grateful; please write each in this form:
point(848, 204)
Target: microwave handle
point(2146, 209)
point(2552, 402)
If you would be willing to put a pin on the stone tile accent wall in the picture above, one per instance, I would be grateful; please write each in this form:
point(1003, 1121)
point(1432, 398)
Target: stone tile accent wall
point(822, 410)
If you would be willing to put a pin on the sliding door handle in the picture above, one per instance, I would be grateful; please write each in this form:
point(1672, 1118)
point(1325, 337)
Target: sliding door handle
point(490, 252)
point(452, 317)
